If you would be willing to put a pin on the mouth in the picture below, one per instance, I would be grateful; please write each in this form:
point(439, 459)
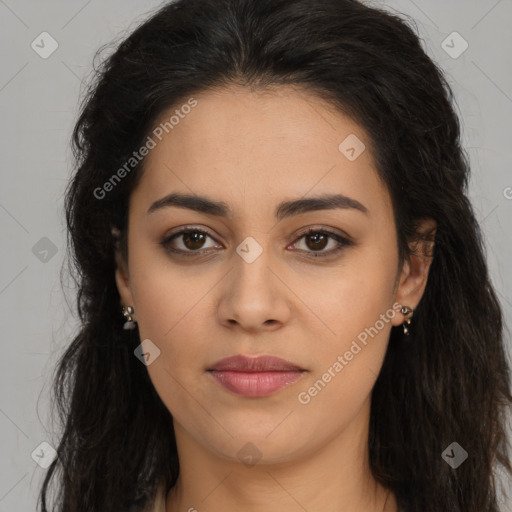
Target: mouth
point(255, 376)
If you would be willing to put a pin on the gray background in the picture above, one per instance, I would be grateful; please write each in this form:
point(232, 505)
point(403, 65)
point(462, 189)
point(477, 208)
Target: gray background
point(38, 106)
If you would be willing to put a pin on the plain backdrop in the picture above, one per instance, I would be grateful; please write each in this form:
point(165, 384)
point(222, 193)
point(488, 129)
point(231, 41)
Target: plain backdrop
point(39, 100)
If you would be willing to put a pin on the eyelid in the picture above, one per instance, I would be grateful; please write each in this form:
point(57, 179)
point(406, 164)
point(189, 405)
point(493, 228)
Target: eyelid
point(343, 241)
point(339, 236)
point(323, 229)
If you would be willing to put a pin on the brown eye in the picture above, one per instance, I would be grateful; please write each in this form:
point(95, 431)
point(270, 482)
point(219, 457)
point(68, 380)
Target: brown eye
point(187, 241)
point(316, 240)
point(193, 240)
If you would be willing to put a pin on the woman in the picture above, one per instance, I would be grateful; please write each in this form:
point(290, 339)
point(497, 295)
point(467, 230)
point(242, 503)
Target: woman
point(284, 297)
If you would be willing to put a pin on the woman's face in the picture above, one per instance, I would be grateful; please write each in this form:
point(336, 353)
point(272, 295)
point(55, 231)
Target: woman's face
point(254, 284)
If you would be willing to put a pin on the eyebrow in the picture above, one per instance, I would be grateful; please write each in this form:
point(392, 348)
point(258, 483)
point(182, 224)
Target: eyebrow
point(285, 209)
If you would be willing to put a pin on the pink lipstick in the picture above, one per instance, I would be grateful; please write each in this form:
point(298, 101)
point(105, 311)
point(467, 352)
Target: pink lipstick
point(255, 376)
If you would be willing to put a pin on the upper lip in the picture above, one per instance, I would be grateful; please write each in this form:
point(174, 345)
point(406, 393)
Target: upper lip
point(240, 363)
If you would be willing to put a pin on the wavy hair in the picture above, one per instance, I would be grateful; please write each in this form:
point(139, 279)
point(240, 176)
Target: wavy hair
point(451, 382)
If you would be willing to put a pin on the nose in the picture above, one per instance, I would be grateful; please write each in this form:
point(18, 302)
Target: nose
point(254, 296)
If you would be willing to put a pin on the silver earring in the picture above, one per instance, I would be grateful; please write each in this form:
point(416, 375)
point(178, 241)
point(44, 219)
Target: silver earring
point(130, 322)
point(406, 310)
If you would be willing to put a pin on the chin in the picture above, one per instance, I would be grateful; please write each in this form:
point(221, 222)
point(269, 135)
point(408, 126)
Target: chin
point(252, 446)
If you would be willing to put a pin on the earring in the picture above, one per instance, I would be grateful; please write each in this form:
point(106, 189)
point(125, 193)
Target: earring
point(405, 310)
point(130, 322)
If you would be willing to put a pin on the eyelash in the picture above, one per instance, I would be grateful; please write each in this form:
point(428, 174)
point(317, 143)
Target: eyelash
point(344, 242)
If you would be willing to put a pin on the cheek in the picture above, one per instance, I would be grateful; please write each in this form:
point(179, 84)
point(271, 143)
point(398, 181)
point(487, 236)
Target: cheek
point(170, 309)
point(361, 292)
point(164, 293)
point(169, 316)
point(347, 366)
point(358, 311)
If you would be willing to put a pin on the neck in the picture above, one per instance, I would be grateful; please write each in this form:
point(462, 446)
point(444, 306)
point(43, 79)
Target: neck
point(333, 478)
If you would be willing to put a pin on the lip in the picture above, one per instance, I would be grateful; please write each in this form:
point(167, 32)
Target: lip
point(246, 364)
point(255, 376)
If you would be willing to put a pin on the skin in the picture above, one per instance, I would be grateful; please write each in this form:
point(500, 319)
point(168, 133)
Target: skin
point(252, 150)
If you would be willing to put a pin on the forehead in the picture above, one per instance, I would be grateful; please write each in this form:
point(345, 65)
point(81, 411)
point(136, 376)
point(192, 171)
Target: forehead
point(254, 148)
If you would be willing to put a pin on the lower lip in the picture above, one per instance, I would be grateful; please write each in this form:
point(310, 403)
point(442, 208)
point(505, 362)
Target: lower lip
point(255, 384)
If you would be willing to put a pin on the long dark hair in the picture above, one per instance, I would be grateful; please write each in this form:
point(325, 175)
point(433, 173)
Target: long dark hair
point(449, 383)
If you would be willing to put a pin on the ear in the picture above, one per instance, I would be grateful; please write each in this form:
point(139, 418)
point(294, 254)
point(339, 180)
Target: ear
point(123, 278)
point(414, 273)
